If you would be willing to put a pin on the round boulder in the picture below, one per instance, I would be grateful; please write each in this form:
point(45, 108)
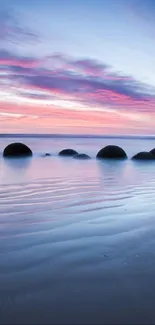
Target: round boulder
point(144, 155)
point(17, 150)
point(111, 152)
point(81, 156)
point(47, 154)
point(153, 152)
point(68, 153)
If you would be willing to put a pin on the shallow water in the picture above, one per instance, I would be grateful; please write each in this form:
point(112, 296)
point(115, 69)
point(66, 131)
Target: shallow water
point(77, 238)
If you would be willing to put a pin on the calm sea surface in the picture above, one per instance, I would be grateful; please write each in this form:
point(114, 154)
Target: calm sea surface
point(77, 238)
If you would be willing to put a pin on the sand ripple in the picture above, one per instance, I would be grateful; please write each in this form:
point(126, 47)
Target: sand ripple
point(77, 235)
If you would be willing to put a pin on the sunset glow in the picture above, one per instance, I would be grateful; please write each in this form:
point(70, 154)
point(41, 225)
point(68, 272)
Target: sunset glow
point(50, 84)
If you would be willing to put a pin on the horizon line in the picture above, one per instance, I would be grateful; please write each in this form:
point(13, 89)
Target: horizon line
point(76, 135)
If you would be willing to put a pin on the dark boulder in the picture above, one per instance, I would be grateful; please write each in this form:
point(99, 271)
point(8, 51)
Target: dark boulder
point(17, 150)
point(47, 154)
point(153, 152)
point(81, 156)
point(68, 153)
point(111, 152)
point(143, 156)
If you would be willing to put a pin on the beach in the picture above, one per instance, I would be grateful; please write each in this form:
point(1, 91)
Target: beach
point(77, 238)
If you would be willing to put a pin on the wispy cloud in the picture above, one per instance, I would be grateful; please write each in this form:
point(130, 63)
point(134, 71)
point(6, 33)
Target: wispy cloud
point(11, 60)
point(59, 90)
point(12, 29)
point(85, 81)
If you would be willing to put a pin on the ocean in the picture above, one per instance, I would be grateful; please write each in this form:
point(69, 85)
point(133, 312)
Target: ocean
point(77, 238)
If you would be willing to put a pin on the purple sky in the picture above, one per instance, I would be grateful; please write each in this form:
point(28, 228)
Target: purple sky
point(69, 66)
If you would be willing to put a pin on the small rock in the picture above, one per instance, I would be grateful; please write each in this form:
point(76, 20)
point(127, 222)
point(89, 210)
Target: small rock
point(68, 152)
point(144, 155)
point(81, 156)
point(153, 152)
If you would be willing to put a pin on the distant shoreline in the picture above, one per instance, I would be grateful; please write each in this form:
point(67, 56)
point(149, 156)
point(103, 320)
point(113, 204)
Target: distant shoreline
point(23, 135)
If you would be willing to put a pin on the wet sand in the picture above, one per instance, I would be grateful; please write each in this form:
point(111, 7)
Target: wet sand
point(77, 241)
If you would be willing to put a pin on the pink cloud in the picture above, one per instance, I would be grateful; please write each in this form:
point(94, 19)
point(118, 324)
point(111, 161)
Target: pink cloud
point(105, 96)
point(8, 59)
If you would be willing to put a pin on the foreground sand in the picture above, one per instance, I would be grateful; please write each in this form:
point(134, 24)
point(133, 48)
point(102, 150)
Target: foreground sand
point(76, 242)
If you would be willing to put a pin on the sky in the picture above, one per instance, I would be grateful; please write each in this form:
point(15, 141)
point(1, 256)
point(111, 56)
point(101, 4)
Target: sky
point(77, 67)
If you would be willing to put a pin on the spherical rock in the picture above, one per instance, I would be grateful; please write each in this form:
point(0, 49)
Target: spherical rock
point(153, 152)
point(111, 152)
point(68, 153)
point(17, 150)
point(143, 156)
point(81, 156)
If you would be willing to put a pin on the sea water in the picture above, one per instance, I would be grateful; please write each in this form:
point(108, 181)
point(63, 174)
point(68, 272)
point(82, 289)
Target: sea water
point(77, 238)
